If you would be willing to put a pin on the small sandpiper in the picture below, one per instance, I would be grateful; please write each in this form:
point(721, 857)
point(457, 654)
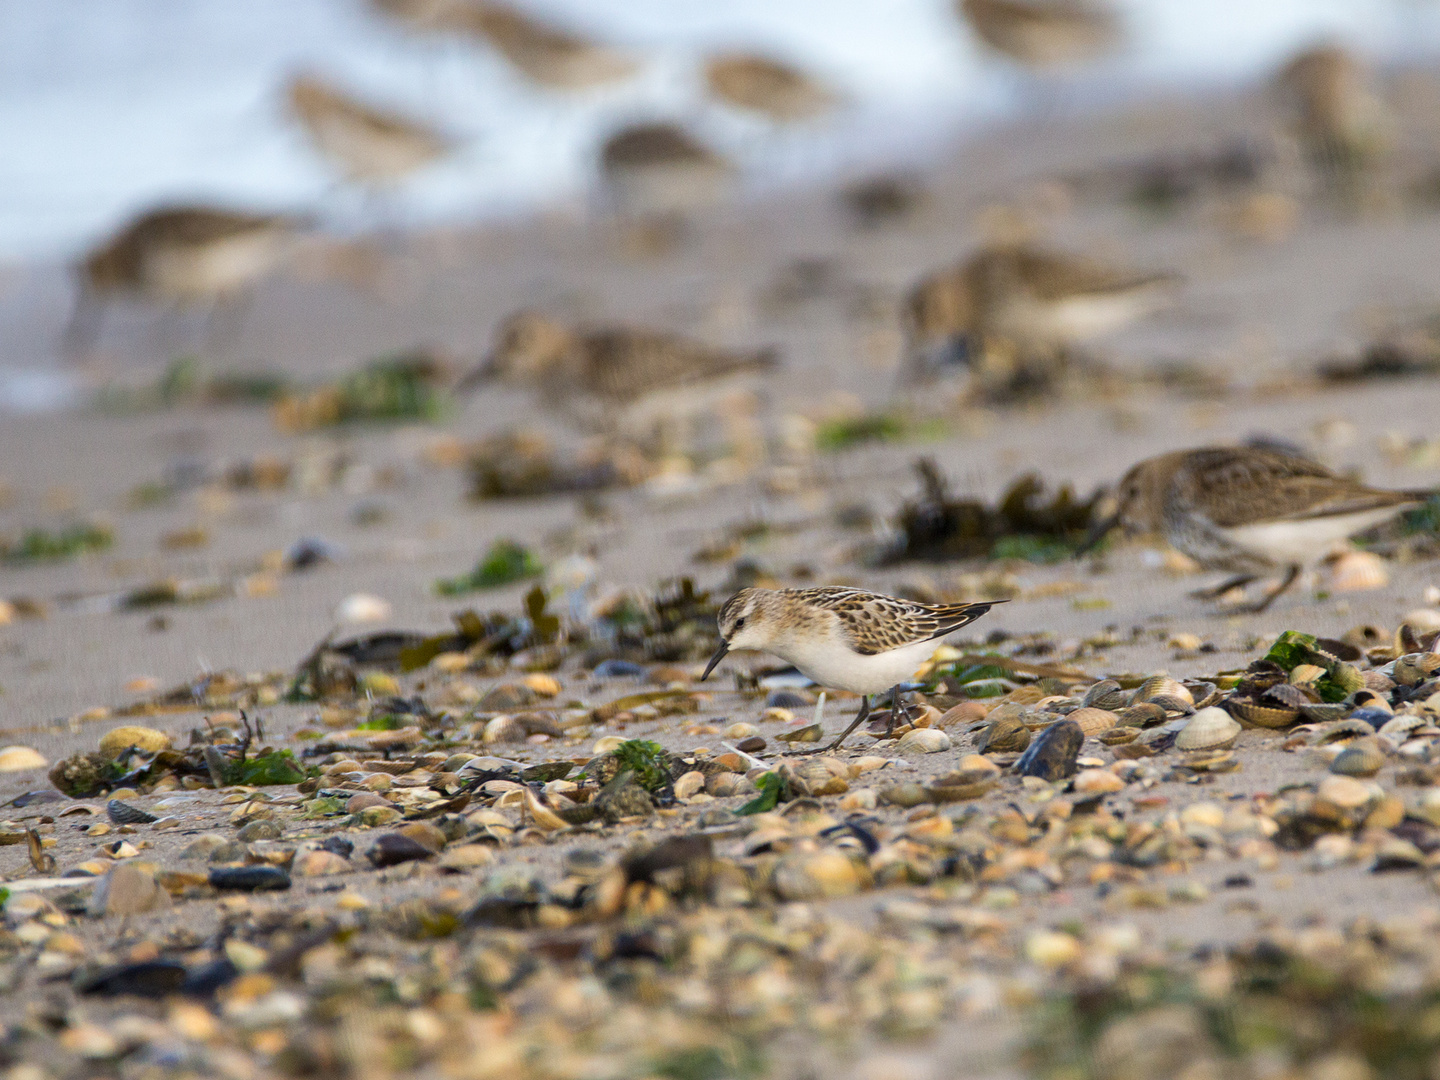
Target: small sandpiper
point(847, 639)
point(765, 85)
point(371, 146)
point(1248, 510)
point(178, 256)
point(617, 377)
point(1011, 312)
point(1044, 33)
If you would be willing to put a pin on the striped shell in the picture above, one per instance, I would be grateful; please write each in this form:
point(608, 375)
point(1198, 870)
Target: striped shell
point(1093, 721)
point(1304, 674)
point(1162, 686)
point(1106, 694)
point(1348, 677)
point(1006, 735)
point(1254, 714)
point(1144, 715)
point(1117, 736)
point(1363, 757)
point(1321, 712)
point(122, 813)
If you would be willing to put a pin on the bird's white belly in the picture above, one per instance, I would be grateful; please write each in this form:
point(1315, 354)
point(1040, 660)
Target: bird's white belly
point(834, 665)
point(1303, 542)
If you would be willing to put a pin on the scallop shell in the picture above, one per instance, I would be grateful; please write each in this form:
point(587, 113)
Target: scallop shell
point(1357, 570)
point(1162, 686)
point(1363, 757)
point(1105, 694)
point(1302, 674)
point(1256, 714)
point(1211, 728)
point(1093, 721)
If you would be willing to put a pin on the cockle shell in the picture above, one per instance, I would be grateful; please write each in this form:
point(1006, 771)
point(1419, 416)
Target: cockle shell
point(1162, 686)
point(1357, 570)
point(1363, 757)
point(1211, 728)
point(1093, 721)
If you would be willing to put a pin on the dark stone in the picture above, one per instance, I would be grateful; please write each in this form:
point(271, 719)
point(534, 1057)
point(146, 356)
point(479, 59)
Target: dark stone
point(150, 979)
point(618, 669)
point(672, 852)
point(394, 848)
point(249, 878)
point(204, 980)
point(338, 845)
point(1052, 753)
point(30, 797)
point(752, 745)
point(787, 699)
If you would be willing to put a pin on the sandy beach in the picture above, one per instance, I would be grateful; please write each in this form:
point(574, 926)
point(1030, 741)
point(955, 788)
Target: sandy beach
point(1277, 282)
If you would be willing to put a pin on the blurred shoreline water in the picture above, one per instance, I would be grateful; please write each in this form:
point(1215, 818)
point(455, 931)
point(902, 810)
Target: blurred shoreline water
point(109, 109)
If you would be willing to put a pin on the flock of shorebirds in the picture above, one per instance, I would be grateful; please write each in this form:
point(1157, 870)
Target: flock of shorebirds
point(1007, 314)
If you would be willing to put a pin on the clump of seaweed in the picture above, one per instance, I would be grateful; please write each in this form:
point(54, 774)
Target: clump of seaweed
point(1023, 525)
point(40, 545)
point(394, 389)
point(184, 382)
point(526, 464)
point(1262, 1002)
point(504, 564)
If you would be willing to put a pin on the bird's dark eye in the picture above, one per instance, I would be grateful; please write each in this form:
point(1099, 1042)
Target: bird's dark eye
point(740, 622)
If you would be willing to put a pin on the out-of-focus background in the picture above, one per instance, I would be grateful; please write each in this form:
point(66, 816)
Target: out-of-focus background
point(110, 110)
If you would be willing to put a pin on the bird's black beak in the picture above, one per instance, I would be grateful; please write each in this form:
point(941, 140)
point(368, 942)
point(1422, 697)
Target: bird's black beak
point(719, 655)
point(1098, 532)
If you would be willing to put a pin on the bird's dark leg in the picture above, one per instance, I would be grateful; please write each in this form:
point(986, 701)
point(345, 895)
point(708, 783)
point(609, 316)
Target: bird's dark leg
point(1291, 573)
point(1217, 591)
point(859, 719)
point(896, 707)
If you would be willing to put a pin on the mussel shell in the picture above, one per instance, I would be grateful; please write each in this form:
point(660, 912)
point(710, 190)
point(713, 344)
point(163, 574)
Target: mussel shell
point(122, 813)
point(1052, 754)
